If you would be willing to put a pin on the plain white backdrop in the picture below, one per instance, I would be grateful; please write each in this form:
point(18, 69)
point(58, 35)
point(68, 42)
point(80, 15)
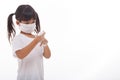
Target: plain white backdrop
point(83, 35)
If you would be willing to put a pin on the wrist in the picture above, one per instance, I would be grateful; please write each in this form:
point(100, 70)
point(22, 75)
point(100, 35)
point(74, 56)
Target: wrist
point(36, 40)
point(44, 45)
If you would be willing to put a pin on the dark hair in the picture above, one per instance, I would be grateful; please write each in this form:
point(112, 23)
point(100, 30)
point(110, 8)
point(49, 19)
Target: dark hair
point(23, 13)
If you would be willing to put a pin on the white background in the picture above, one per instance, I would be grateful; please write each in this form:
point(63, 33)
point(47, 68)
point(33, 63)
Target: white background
point(83, 35)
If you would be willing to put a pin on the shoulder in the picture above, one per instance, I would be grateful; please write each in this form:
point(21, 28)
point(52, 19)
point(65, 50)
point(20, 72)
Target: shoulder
point(17, 38)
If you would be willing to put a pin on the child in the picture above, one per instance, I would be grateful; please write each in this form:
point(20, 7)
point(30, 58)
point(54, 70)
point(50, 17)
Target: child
point(28, 47)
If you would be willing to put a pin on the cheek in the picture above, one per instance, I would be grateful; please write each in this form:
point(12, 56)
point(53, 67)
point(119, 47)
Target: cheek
point(17, 22)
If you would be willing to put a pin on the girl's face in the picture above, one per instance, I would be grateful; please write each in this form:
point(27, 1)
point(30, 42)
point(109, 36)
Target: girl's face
point(27, 26)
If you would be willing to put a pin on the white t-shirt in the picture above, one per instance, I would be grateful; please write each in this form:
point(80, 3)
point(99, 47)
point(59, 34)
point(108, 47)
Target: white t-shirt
point(31, 66)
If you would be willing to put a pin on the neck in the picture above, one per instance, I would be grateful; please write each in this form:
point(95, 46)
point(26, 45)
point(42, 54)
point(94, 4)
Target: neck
point(25, 33)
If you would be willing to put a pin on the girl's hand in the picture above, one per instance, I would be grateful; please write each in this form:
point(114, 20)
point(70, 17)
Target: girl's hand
point(40, 38)
point(44, 42)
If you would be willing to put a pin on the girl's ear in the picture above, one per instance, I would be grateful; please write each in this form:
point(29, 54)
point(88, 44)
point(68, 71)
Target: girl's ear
point(17, 22)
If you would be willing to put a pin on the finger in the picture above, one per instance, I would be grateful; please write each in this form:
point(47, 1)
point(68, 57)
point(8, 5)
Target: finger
point(41, 43)
point(45, 41)
point(43, 34)
point(40, 33)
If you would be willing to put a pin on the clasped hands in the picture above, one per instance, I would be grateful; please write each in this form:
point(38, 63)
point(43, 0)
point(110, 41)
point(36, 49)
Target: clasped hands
point(40, 38)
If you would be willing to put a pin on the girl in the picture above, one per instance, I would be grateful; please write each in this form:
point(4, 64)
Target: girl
point(28, 47)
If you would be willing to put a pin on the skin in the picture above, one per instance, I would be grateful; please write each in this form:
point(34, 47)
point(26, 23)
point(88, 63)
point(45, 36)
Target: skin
point(27, 49)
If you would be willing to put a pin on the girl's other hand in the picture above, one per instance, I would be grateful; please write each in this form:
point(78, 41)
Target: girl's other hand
point(40, 37)
point(44, 42)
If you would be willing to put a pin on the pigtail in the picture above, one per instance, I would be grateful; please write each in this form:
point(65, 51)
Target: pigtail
point(37, 24)
point(10, 27)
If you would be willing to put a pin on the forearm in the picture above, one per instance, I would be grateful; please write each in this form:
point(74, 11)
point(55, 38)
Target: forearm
point(47, 52)
point(26, 50)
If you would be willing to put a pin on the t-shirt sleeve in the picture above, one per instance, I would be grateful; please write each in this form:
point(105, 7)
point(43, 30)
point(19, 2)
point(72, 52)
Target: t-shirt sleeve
point(17, 44)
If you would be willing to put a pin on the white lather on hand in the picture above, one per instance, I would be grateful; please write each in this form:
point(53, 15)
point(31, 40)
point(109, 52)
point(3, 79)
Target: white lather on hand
point(40, 33)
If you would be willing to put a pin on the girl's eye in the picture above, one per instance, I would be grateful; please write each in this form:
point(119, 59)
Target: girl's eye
point(29, 22)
